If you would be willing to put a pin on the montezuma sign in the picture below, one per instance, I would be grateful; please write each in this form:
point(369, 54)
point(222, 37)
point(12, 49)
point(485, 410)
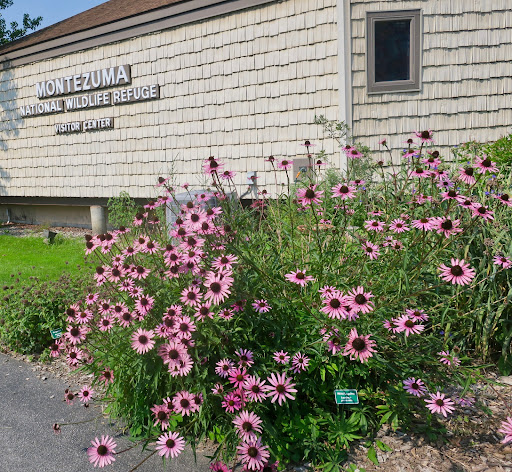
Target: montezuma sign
point(98, 79)
point(86, 82)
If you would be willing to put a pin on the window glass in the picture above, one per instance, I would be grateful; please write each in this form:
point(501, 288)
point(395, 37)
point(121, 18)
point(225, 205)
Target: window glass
point(392, 50)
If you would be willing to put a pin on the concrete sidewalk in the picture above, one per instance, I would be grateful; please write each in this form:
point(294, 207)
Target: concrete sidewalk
point(30, 406)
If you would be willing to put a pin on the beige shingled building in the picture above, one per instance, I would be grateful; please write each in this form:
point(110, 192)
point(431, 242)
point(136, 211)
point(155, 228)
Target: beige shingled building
point(113, 98)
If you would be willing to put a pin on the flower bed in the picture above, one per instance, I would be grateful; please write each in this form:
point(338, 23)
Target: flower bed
point(239, 325)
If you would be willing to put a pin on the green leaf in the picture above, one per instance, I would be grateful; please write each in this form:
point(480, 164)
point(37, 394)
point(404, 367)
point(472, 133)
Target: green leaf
point(372, 455)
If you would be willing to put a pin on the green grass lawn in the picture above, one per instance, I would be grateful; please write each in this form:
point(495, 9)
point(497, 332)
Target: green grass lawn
point(21, 258)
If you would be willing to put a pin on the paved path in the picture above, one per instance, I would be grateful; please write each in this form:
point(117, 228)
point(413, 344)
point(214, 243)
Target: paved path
point(28, 408)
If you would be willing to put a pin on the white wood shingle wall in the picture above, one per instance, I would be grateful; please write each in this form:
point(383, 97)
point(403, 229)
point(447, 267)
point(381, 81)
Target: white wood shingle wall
point(466, 90)
point(239, 87)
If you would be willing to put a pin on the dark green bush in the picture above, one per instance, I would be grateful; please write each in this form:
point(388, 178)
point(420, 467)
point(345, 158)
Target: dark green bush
point(28, 312)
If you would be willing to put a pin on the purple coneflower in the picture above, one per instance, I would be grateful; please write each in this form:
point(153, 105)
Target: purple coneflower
point(485, 165)
point(237, 376)
point(299, 277)
point(170, 444)
point(247, 424)
point(102, 451)
point(448, 359)
point(371, 250)
point(360, 300)
point(309, 196)
point(506, 429)
point(503, 261)
point(281, 357)
point(425, 136)
point(405, 324)
point(255, 388)
point(467, 175)
point(460, 273)
point(280, 388)
point(232, 402)
point(415, 387)
point(300, 363)
point(285, 164)
point(439, 403)
point(85, 394)
point(253, 455)
point(374, 225)
point(261, 306)
point(482, 212)
point(142, 340)
point(343, 191)
point(182, 403)
point(335, 304)
point(359, 346)
point(425, 224)
point(446, 226)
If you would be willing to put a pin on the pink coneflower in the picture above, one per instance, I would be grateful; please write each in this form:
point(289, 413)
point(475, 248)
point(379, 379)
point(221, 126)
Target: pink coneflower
point(485, 165)
point(107, 376)
point(232, 402)
point(261, 306)
point(140, 273)
point(374, 225)
point(245, 357)
point(184, 327)
point(327, 290)
point(300, 363)
point(371, 250)
point(482, 212)
point(182, 367)
point(503, 261)
point(203, 311)
point(144, 304)
point(183, 403)
point(299, 277)
point(247, 424)
point(504, 198)
point(358, 182)
point(425, 136)
point(285, 164)
point(55, 348)
point(280, 388)
point(106, 323)
point(191, 296)
point(359, 346)
point(425, 224)
point(142, 340)
point(415, 387)
point(74, 356)
point(225, 261)
point(343, 191)
point(212, 166)
point(85, 394)
point(432, 161)
point(84, 316)
point(91, 298)
point(450, 194)
point(227, 314)
point(398, 226)
point(161, 414)
point(309, 196)
point(448, 359)
point(69, 396)
point(464, 402)
point(353, 153)
point(237, 376)
point(218, 389)
point(102, 452)
point(506, 429)
point(335, 306)
point(446, 226)
point(255, 388)
point(417, 315)
point(224, 367)
point(281, 357)
point(467, 175)
point(219, 467)
point(217, 289)
point(126, 318)
point(253, 455)
point(170, 444)
point(360, 300)
point(405, 324)
point(76, 334)
point(421, 173)
point(460, 273)
point(439, 403)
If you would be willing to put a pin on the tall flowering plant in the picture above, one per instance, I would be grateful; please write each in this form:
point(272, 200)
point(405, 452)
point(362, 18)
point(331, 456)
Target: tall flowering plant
point(238, 324)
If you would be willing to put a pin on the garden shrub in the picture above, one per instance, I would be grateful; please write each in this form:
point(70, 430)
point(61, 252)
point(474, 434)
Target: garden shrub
point(121, 209)
point(240, 324)
point(29, 310)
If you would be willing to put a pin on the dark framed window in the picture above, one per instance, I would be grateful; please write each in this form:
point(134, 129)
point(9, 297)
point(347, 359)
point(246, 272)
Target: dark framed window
point(393, 51)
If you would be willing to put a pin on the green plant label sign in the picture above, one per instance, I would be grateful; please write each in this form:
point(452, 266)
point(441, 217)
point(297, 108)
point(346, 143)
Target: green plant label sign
point(346, 397)
point(56, 333)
